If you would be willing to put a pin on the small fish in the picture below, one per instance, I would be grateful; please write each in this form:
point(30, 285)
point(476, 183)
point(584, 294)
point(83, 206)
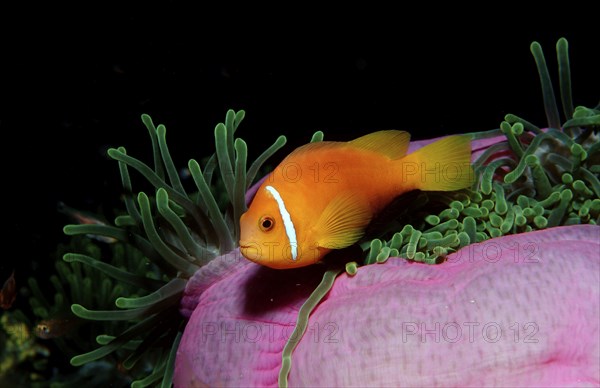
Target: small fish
point(84, 218)
point(57, 326)
point(323, 195)
point(9, 292)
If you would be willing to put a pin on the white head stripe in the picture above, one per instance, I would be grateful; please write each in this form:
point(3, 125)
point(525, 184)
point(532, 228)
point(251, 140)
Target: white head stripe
point(290, 231)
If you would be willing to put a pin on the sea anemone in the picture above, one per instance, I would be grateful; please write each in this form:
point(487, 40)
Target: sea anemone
point(529, 179)
point(170, 234)
point(77, 282)
point(249, 325)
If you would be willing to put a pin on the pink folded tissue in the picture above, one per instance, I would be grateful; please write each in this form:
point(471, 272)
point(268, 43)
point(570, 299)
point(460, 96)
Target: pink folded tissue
point(518, 310)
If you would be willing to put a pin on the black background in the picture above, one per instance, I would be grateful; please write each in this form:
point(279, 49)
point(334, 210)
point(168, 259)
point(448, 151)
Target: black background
point(74, 86)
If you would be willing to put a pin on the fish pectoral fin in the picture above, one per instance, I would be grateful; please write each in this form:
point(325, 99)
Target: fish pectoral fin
point(343, 221)
point(393, 144)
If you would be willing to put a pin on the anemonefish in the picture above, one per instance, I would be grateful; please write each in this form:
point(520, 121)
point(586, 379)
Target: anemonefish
point(58, 325)
point(323, 195)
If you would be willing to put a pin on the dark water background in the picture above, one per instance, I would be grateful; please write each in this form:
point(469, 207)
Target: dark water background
point(76, 86)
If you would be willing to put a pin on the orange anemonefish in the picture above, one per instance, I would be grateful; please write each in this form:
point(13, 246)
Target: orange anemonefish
point(323, 195)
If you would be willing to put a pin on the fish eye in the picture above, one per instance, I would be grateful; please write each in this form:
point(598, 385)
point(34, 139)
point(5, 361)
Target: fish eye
point(266, 223)
point(43, 328)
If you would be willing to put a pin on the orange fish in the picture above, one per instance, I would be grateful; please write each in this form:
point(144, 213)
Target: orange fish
point(323, 195)
point(8, 294)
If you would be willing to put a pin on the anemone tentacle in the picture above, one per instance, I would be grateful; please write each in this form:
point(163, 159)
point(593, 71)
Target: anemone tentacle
point(529, 179)
point(534, 179)
point(175, 230)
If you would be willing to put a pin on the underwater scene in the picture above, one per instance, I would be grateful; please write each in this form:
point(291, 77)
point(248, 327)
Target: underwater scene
point(358, 212)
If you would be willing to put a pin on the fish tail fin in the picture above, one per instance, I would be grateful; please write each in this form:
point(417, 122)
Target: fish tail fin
point(441, 166)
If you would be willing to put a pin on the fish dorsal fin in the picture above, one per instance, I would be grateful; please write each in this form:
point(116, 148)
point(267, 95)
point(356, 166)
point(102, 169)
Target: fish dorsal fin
point(311, 147)
point(393, 144)
point(343, 221)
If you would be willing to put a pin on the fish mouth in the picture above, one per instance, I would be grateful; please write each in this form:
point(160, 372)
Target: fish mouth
point(250, 251)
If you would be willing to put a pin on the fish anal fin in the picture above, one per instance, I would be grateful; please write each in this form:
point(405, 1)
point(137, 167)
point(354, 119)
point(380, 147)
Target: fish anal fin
point(392, 143)
point(343, 222)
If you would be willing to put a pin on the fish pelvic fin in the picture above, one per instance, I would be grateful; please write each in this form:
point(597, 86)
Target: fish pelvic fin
point(441, 166)
point(343, 222)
